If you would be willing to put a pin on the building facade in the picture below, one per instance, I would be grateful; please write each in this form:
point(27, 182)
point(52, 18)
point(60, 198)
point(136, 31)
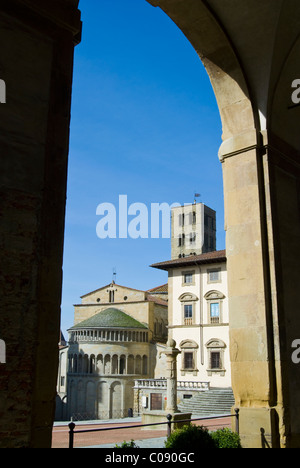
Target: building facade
point(199, 317)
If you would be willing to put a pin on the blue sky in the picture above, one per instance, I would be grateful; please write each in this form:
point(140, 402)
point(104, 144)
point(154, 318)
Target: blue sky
point(145, 124)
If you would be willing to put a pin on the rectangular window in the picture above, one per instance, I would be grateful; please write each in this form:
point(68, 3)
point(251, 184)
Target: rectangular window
point(214, 276)
point(215, 312)
point(192, 217)
point(188, 361)
point(188, 314)
point(192, 238)
point(215, 360)
point(188, 311)
point(181, 220)
point(188, 278)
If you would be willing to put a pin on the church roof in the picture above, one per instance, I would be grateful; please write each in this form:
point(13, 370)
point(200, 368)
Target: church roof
point(110, 318)
point(109, 285)
point(159, 289)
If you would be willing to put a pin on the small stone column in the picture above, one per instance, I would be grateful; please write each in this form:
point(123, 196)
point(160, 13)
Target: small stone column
point(171, 411)
point(172, 353)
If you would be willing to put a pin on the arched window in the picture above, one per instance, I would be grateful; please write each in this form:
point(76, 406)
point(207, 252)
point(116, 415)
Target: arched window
point(138, 365)
point(115, 364)
point(92, 364)
point(122, 369)
point(145, 365)
point(107, 365)
point(100, 368)
point(75, 364)
point(189, 357)
point(85, 363)
point(130, 364)
point(188, 301)
point(216, 353)
point(80, 367)
point(70, 368)
point(214, 307)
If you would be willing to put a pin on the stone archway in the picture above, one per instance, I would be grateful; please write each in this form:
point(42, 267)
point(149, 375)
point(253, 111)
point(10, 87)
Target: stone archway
point(116, 400)
point(211, 42)
point(250, 50)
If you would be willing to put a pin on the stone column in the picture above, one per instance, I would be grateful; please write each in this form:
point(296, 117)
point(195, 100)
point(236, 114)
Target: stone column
point(263, 238)
point(37, 66)
point(172, 353)
point(109, 403)
point(250, 347)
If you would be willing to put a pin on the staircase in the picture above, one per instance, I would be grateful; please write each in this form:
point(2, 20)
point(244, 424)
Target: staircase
point(214, 402)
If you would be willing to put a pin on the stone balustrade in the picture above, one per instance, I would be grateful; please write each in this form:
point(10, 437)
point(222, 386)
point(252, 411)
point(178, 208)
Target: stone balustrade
point(108, 335)
point(162, 384)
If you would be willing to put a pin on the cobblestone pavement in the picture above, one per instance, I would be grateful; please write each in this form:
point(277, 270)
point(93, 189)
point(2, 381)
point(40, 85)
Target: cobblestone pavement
point(108, 439)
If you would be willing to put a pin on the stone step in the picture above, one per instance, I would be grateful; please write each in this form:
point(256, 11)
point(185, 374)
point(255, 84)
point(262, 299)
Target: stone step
point(212, 402)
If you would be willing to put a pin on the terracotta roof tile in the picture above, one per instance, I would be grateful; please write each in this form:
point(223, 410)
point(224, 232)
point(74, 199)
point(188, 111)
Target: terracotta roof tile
point(159, 289)
point(157, 300)
point(210, 257)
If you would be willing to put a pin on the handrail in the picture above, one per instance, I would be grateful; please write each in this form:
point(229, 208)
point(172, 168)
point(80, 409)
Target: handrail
point(169, 422)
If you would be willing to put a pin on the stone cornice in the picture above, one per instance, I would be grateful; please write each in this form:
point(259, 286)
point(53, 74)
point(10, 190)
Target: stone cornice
point(238, 144)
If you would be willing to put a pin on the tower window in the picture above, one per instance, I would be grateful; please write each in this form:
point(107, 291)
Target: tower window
point(181, 240)
point(181, 219)
point(193, 238)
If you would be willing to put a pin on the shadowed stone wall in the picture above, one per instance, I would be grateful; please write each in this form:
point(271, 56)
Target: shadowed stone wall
point(250, 50)
point(36, 63)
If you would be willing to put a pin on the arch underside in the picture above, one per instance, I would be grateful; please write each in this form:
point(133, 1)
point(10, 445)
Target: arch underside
point(250, 54)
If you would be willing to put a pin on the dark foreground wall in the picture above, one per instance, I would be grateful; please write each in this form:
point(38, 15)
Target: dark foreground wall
point(36, 63)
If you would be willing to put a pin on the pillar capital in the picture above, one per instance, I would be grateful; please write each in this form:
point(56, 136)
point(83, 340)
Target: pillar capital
point(241, 143)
